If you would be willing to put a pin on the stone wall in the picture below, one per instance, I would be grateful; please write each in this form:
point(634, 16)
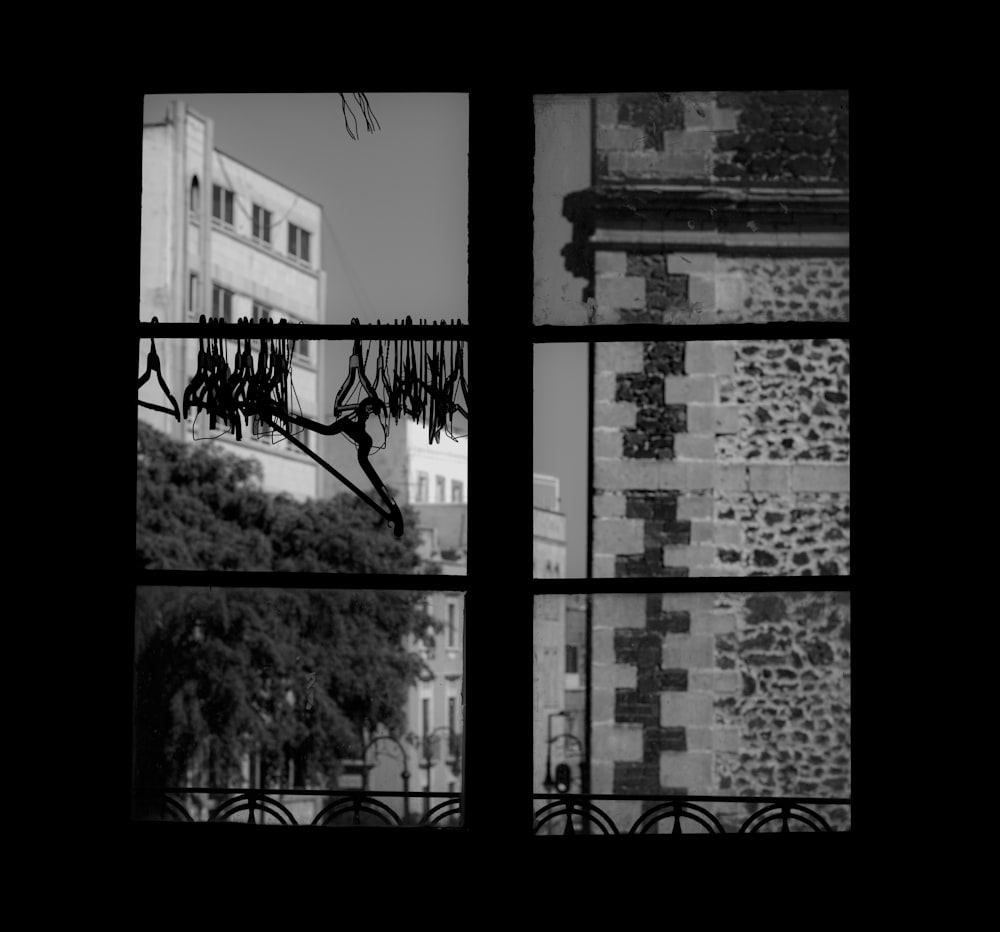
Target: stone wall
point(738, 694)
point(722, 458)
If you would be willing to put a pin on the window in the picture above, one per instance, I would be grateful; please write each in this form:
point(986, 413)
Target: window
point(572, 658)
point(261, 224)
point(195, 195)
point(425, 715)
point(439, 491)
point(298, 242)
point(222, 303)
point(222, 204)
point(260, 311)
point(193, 296)
point(456, 492)
point(451, 715)
point(451, 624)
point(422, 487)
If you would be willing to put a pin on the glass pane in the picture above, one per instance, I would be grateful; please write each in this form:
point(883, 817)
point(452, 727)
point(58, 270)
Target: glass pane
point(216, 201)
point(267, 226)
point(744, 694)
point(305, 245)
point(292, 692)
point(256, 220)
point(291, 239)
point(229, 207)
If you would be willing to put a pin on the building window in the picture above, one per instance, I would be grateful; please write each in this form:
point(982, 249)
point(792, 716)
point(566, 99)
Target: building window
point(426, 715)
point(423, 481)
point(456, 492)
point(298, 242)
point(451, 715)
point(222, 204)
point(261, 224)
point(195, 195)
point(572, 659)
point(193, 293)
point(260, 311)
point(222, 303)
point(451, 624)
point(439, 490)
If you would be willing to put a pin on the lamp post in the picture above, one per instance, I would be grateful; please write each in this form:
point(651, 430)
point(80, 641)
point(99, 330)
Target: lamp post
point(428, 761)
point(579, 744)
point(405, 774)
point(549, 783)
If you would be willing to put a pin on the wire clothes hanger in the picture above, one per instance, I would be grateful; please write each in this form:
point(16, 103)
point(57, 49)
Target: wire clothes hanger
point(153, 365)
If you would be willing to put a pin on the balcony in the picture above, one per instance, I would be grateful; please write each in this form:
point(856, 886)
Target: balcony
point(556, 814)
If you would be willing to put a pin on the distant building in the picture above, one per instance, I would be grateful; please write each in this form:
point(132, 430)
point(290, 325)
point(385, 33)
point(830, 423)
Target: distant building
point(222, 239)
point(549, 527)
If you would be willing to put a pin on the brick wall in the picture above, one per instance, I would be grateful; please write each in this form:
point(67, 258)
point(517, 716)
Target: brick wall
point(722, 458)
point(721, 693)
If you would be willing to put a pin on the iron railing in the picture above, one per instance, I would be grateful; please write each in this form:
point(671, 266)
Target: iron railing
point(565, 814)
point(331, 808)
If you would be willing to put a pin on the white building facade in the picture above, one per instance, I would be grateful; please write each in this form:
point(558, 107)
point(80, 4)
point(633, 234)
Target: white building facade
point(221, 239)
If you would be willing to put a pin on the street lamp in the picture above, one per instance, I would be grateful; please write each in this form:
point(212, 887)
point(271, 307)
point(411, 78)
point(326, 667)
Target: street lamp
point(549, 783)
point(579, 744)
point(405, 774)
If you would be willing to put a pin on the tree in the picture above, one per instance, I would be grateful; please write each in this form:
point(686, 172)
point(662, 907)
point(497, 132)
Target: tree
point(291, 675)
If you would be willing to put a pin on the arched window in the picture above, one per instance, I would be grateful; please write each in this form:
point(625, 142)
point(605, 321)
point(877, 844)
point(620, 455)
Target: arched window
point(195, 195)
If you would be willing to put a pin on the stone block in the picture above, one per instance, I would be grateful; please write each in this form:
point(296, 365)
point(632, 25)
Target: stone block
point(730, 293)
point(605, 386)
point(621, 292)
point(713, 622)
point(702, 532)
point(619, 610)
point(603, 644)
point(770, 477)
point(612, 676)
point(731, 477)
point(727, 419)
point(694, 446)
point(607, 443)
point(699, 738)
point(609, 505)
point(617, 742)
point(682, 389)
point(690, 708)
point(715, 681)
point(610, 262)
point(603, 566)
point(728, 533)
point(619, 535)
point(701, 475)
point(619, 356)
point(726, 738)
point(688, 601)
point(816, 478)
point(602, 707)
point(614, 414)
point(686, 263)
point(626, 474)
point(693, 556)
point(694, 506)
point(701, 294)
point(689, 769)
point(688, 651)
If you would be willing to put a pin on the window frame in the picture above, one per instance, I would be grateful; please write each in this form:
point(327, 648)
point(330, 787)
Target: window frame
point(225, 199)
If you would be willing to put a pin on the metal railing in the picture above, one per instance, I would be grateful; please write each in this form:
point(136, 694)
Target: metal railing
point(331, 808)
point(576, 814)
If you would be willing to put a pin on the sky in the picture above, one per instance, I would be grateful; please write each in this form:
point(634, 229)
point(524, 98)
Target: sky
point(559, 437)
point(397, 199)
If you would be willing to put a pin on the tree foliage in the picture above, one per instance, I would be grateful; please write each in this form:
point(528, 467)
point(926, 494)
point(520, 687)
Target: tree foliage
point(292, 675)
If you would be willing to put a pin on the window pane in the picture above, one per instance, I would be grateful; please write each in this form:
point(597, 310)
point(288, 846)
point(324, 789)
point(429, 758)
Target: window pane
point(216, 202)
point(229, 207)
point(291, 239)
point(292, 691)
point(267, 226)
point(304, 241)
point(215, 300)
point(456, 491)
point(256, 220)
point(229, 307)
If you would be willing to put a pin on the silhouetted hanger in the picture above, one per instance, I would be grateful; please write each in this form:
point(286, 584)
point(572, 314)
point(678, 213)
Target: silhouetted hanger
point(355, 377)
point(190, 393)
point(353, 425)
point(153, 365)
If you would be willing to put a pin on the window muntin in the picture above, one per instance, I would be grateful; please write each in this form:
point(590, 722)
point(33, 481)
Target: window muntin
point(298, 242)
point(222, 303)
point(261, 224)
point(222, 204)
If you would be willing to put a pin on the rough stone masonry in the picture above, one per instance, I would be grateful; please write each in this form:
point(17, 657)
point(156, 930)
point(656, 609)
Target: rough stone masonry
point(722, 694)
point(722, 458)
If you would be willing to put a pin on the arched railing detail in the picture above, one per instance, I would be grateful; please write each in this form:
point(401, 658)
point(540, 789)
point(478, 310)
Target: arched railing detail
point(677, 810)
point(570, 807)
point(356, 805)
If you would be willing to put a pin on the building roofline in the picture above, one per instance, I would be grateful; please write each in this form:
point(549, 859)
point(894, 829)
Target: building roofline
point(298, 194)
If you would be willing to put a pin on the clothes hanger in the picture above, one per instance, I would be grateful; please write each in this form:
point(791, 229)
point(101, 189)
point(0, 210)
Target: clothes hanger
point(355, 374)
point(153, 365)
point(353, 425)
point(190, 393)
